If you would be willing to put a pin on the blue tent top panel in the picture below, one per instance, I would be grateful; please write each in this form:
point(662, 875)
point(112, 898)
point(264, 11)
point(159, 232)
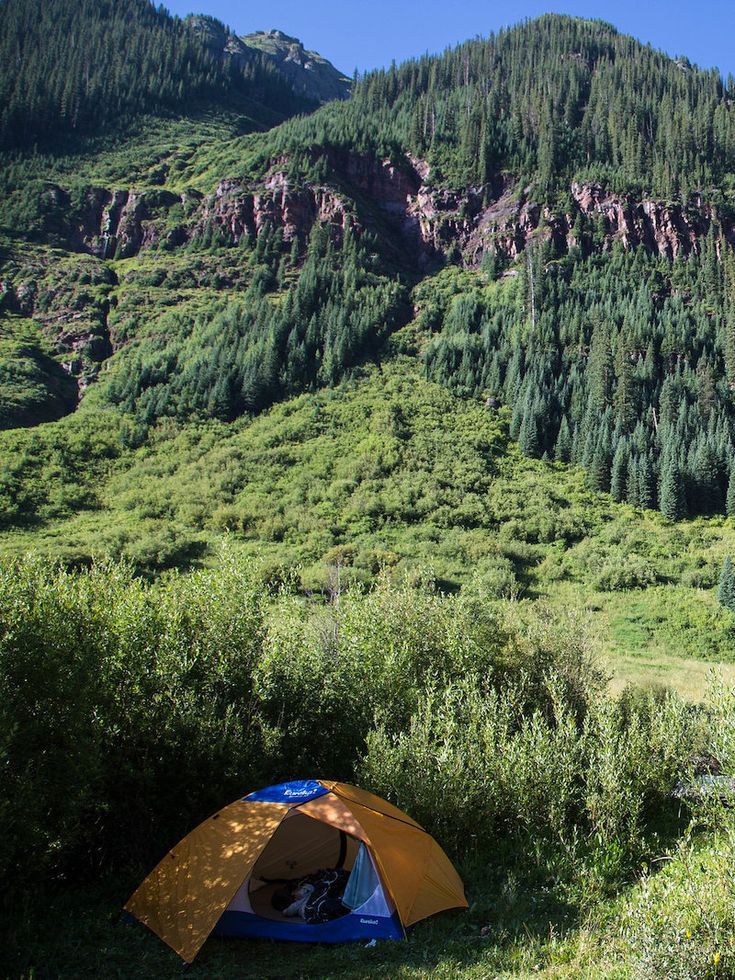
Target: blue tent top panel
point(298, 791)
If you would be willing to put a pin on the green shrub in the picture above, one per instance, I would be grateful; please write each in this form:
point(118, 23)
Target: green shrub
point(630, 572)
point(119, 701)
point(329, 674)
point(129, 709)
point(475, 765)
point(494, 577)
point(681, 922)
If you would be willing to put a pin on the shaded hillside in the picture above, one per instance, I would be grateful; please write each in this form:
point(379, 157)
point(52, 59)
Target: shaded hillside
point(34, 387)
point(75, 67)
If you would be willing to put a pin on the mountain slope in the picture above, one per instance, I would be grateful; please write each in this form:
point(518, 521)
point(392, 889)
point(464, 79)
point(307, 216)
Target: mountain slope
point(244, 270)
point(96, 64)
point(546, 101)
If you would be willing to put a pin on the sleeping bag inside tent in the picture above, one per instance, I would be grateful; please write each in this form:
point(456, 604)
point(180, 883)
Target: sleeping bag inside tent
point(355, 866)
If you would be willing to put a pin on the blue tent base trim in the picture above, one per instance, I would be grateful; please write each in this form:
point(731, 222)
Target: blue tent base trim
point(348, 928)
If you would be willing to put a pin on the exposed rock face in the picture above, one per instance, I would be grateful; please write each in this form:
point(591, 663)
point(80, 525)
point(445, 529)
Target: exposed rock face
point(307, 72)
point(508, 224)
point(661, 228)
point(236, 209)
point(396, 199)
point(117, 224)
point(221, 42)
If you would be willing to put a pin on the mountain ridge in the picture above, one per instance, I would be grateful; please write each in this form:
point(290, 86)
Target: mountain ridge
point(307, 72)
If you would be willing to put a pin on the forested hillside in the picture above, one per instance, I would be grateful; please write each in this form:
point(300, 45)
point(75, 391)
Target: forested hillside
point(621, 363)
point(74, 67)
point(548, 100)
point(587, 178)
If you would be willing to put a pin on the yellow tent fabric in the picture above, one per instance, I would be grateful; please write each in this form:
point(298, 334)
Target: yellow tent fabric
point(420, 877)
point(331, 810)
point(417, 872)
point(352, 794)
point(184, 896)
point(186, 893)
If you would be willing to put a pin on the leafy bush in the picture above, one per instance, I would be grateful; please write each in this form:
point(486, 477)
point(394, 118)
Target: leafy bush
point(328, 675)
point(119, 703)
point(129, 709)
point(495, 578)
point(631, 572)
point(681, 922)
point(476, 765)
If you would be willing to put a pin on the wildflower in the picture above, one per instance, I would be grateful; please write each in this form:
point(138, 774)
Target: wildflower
point(716, 959)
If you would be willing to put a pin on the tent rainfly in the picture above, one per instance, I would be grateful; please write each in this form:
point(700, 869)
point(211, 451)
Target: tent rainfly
point(222, 876)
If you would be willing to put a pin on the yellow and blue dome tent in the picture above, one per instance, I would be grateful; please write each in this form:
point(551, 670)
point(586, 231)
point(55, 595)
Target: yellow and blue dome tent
point(220, 878)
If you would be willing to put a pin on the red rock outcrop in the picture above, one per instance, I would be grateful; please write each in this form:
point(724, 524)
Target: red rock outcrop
point(423, 221)
point(237, 208)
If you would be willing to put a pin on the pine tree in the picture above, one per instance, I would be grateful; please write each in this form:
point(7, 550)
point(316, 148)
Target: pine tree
point(645, 482)
point(707, 391)
point(706, 488)
point(672, 501)
point(563, 448)
point(619, 477)
point(632, 491)
point(726, 588)
point(730, 502)
point(600, 368)
point(624, 399)
point(600, 466)
point(729, 315)
point(528, 439)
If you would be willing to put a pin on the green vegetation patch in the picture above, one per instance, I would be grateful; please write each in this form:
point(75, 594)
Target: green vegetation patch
point(34, 387)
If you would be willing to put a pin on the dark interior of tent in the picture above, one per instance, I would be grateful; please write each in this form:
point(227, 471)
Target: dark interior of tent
point(300, 846)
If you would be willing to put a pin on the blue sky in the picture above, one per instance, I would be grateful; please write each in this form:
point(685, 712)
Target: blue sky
point(369, 33)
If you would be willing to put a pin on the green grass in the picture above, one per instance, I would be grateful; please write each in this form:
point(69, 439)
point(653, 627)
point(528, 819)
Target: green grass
point(515, 927)
point(511, 929)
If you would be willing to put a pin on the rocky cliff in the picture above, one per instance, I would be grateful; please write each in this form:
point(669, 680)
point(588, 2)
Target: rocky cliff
point(397, 198)
point(68, 290)
point(307, 72)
